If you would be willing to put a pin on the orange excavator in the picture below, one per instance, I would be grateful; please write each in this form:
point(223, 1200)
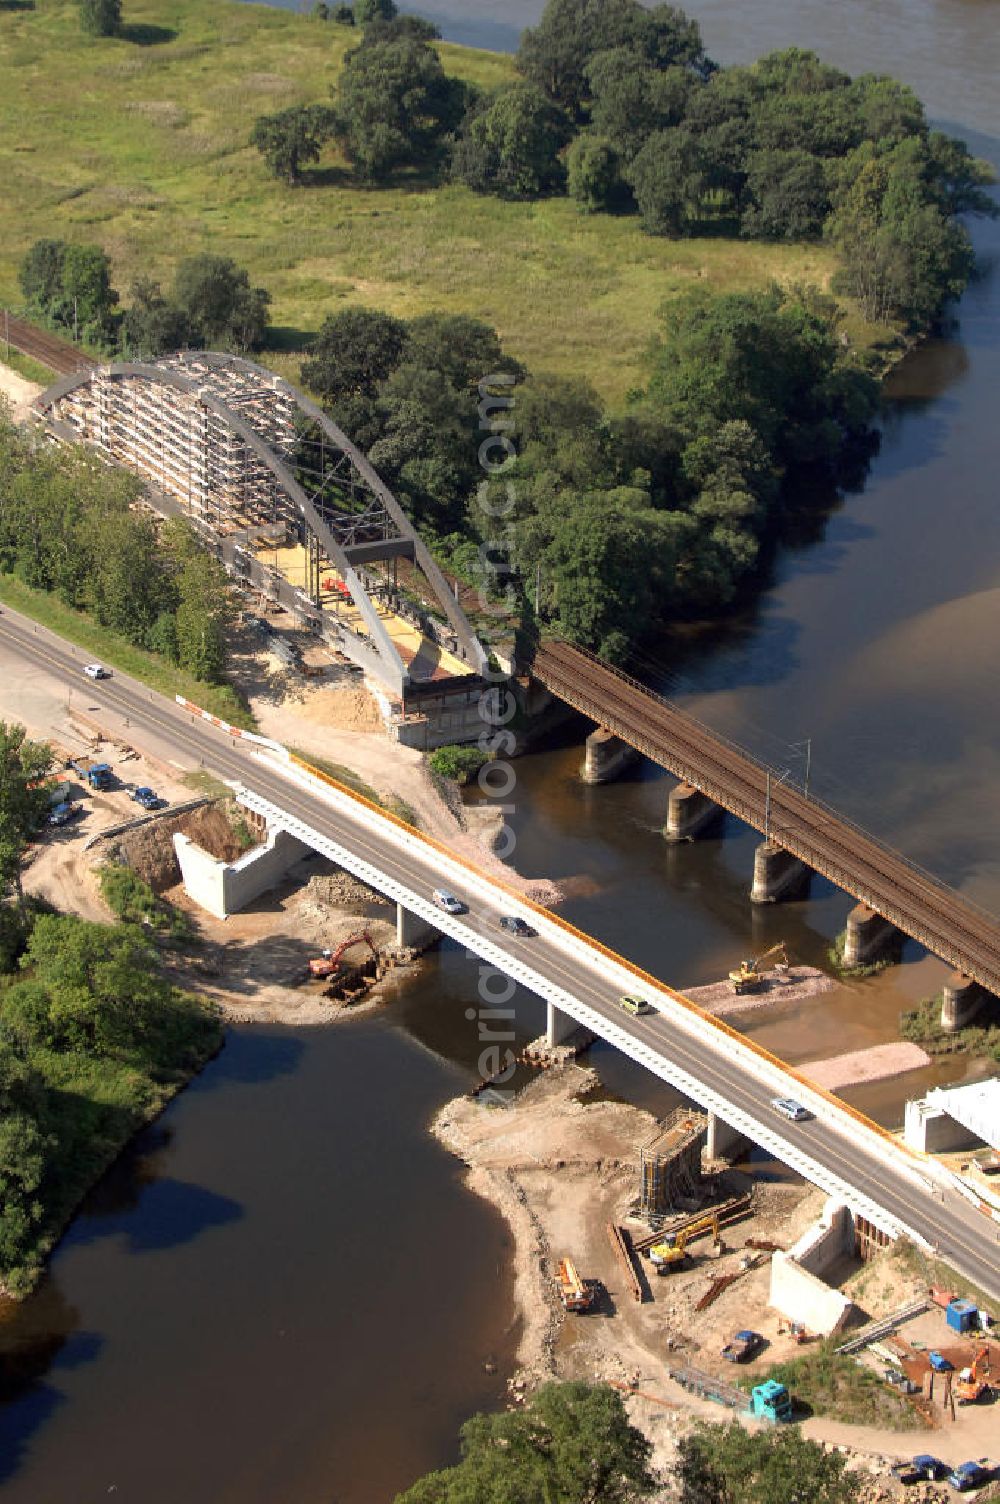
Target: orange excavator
point(972, 1384)
point(328, 964)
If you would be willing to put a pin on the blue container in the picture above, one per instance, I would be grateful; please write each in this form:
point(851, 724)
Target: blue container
point(962, 1316)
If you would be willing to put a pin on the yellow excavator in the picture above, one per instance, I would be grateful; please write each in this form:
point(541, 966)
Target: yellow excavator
point(748, 976)
point(671, 1255)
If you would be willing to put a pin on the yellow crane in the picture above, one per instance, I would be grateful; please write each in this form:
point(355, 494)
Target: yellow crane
point(747, 976)
point(672, 1254)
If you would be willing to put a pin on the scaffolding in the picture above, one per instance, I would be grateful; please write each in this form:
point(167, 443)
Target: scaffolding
point(670, 1163)
point(256, 466)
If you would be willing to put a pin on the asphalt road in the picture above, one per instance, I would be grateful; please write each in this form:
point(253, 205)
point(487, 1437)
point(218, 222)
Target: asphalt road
point(970, 1241)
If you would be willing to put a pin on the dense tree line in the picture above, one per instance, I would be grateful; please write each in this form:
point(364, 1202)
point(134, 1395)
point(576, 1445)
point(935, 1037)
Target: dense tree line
point(627, 521)
point(211, 304)
point(573, 1442)
point(619, 106)
point(70, 525)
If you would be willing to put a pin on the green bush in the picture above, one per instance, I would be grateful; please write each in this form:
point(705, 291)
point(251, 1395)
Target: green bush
point(460, 763)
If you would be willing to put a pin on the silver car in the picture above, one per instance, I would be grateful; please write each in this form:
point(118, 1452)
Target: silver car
point(448, 901)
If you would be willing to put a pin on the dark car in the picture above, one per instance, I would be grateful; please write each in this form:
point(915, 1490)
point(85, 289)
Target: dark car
point(147, 797)
point(63, 813)
point(515, 925)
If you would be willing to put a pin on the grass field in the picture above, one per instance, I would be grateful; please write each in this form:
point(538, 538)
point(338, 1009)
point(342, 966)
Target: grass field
point(140, 144)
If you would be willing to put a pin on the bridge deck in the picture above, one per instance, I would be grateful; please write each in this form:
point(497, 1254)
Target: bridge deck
point(917, 903)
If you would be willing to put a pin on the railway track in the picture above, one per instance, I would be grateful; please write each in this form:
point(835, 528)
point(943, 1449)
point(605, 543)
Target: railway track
point(885, 880)
point(62, 358)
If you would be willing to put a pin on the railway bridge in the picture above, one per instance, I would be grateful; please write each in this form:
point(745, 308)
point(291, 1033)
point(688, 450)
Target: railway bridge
point(801, 833)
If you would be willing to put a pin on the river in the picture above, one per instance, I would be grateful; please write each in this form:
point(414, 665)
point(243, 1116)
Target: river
point(283, 1292)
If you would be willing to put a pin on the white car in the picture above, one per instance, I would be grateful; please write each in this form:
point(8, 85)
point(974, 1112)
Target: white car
point(96, 671)
point(789, 1109)
point(448, 901)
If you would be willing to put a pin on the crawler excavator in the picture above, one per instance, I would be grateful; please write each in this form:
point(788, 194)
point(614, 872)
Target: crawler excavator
point(972, 1384)
point(748, 976)
point(325, 966)
point(672, 1253)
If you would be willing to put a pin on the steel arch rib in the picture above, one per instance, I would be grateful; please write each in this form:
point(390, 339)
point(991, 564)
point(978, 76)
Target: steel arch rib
point(171, 376)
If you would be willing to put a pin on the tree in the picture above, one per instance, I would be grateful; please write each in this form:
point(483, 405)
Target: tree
point(594, 172)
point(786, 196)
point(354, 351)
point(667, 178)
point(23, 802)
point(571, 1444)
point(40, 274)
point(510, 144)
point(394, 105)
point(729, 1465)
point(631, 98)
point(202, 614)
point(554, 54)
point(220, 306)
point(22, 1154)
point(292, 137)
point(153, 324)
point(367, 11)
point(101, 18)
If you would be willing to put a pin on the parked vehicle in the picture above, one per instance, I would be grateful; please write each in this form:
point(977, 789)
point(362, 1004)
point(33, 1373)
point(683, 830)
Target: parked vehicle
point(515, 925)
point(972, 1383)
point(969, 1475)
point(97, 774)
point(449, 902)
point(791, 1109)
point(147, 798)
point(63, 813)
point(931, 1468)
point(940, 1363)
point(637, 1006)
point(768, 1401)
point(743, 1346)
point(573, 1292)
point(672, 1252)
point(96, 671)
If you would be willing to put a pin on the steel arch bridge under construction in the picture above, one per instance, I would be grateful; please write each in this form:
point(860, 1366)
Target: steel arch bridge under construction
point(285, 500)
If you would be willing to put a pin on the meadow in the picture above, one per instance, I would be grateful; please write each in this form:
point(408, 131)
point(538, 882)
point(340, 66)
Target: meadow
point(140, 144)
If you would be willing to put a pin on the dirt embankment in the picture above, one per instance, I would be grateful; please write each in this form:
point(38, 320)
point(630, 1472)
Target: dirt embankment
point(149, 849)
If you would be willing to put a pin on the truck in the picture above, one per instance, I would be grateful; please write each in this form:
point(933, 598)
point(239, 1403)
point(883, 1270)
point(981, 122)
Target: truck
point(742, 1346)
point(574, 1294)
point(767, 1401)
point(97, 774)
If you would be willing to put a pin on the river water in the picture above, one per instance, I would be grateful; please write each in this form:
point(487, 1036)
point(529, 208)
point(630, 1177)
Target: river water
point(283, 1292)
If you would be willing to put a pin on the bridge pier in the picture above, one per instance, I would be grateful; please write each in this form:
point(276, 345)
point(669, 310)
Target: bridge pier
point(412, 932)
point(690, 813)
point(724, 1141)
point(961, 1000)
point(868, 937)
point(558, 1025)
point(777, 875)
point(607, 757)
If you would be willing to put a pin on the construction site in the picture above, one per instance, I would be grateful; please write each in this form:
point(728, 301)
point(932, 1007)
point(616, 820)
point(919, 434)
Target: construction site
point(642, 1263)
point(296, 514)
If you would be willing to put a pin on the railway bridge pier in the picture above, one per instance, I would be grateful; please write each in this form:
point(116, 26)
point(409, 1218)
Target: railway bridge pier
point(802, 834)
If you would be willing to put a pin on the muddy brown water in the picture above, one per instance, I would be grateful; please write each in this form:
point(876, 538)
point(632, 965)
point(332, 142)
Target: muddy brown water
point(283, 1292)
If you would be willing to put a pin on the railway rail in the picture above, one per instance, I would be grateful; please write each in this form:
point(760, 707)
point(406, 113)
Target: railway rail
point(48, 349)
point(913, 900)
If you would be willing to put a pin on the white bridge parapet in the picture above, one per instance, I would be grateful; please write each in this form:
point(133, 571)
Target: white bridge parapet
point(613, 973)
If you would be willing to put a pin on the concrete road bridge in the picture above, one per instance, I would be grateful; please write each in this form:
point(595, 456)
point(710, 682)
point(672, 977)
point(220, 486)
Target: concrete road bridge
point(895, 1189)
point(802, 834)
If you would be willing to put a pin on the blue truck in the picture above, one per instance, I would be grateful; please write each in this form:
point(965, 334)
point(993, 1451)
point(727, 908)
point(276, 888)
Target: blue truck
point(97, 774)
point(970, 1475)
